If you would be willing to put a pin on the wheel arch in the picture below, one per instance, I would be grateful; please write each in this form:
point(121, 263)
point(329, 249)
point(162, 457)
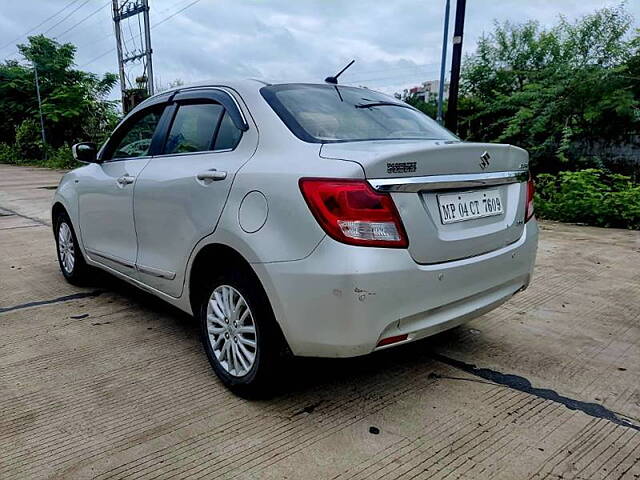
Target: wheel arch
point(56, 209)
point(222, 256)
point(59, 207)
point(62, 204)
point(211, 254)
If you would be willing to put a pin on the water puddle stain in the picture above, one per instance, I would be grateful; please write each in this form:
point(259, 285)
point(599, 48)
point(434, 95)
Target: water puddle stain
point(523, 385)
point(65, 298)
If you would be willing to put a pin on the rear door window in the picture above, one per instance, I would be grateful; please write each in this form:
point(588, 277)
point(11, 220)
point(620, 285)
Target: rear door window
point(193, 128)
point(228, 134)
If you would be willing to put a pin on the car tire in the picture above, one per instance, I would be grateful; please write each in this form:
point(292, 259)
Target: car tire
point(240, 335)
point(72, 263)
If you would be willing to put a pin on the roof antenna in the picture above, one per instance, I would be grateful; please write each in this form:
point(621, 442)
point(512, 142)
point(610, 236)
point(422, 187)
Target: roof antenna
point(334, 80)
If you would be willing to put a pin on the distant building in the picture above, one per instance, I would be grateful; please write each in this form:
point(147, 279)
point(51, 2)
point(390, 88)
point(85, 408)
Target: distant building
point(427, 92)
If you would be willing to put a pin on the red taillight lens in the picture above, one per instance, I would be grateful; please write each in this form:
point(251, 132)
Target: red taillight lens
point(390, 340)
point(352, 212)
point(531, 190)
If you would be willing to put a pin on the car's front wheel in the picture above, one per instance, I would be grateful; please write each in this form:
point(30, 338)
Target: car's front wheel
point(239, 333)
point(72, 263)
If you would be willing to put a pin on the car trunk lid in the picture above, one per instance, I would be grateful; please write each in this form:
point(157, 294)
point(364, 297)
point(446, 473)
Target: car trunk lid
point(439, 188)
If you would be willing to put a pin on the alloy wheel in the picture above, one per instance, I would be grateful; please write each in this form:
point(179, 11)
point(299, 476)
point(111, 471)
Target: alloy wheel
point(231, 330)
point(65, 248)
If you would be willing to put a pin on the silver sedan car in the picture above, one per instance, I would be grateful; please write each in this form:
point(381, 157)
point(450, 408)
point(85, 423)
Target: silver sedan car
point(307, 219)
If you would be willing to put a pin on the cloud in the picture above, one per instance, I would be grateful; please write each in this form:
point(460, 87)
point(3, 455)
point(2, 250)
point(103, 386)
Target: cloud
point(395, 43)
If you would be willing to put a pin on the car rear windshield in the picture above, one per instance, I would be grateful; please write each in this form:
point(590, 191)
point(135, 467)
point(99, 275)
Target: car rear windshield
point(335, 113)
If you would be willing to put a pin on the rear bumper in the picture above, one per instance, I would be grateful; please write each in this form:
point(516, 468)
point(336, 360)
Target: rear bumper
point(341, 300)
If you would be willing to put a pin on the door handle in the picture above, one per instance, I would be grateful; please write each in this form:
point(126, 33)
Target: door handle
point(125, 179)
point(212, 174)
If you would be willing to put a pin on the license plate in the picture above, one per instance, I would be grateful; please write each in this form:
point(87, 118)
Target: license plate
point(458, 207)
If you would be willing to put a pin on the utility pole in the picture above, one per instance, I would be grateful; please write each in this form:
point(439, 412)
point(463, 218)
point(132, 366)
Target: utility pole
point(44, 139)
point(132, 95)
point(148, 51)
point(443, 62)
point(452, 110)
point(118, 33)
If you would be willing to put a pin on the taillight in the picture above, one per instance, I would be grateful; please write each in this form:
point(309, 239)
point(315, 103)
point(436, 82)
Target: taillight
point(391, 340)
point(531, 189)
point(352, 212)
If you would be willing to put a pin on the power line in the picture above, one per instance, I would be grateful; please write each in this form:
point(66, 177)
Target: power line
point(416, 74)
point(103, 54)
point(152, 26)
point(124, 12)
point(39, 25)
point(81, 21)
point(98, 57)
point(139, 29)
point(165, 10)
point(402, 82)
point(406, 67)
point(105, 37)
point(75, 24)
point(133, 39)
point(418, 71)
point(174, 14)
point(411, 75)
point(68, 15)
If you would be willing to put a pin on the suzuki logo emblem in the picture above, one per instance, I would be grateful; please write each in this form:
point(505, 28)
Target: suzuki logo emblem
point(484, 160)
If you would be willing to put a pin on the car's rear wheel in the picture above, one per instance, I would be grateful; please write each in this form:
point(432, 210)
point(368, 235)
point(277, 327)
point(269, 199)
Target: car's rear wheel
point(239, 333)
point(72, 263)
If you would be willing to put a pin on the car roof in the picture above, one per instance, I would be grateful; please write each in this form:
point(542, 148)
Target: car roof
point(245, 87)
point(250, 84)
point(240, 85)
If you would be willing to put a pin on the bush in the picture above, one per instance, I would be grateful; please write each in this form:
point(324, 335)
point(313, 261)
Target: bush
point(9, 154)
point(61, 158)
point(56, 157)
point(29, 140)
point(590, 196)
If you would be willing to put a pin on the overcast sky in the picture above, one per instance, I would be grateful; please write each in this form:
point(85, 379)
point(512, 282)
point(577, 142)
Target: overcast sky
point(396, 43)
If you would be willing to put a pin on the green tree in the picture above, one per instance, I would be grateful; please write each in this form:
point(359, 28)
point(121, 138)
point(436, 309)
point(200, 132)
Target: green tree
point(549, 90)
point(430, 108)
point(74, 103)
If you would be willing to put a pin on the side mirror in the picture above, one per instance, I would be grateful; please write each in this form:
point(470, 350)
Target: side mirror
point(86, 152)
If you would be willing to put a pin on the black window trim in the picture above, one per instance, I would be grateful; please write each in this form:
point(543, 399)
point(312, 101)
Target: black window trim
point(164, 127)
point(175, 107)
point(217, 130)
point(172, 110)
point(218, 96)
point(124, 127)
point(292, 124)
point(170, 101)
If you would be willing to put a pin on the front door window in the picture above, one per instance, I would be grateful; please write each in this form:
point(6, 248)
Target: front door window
point(136, 141)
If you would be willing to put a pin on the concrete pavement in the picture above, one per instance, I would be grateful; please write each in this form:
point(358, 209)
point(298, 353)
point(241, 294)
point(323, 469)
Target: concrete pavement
point(107, 382)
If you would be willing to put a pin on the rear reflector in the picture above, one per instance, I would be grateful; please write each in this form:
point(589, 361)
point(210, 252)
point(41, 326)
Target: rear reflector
point(390, 340)
point(531, 190)
point(352, 212)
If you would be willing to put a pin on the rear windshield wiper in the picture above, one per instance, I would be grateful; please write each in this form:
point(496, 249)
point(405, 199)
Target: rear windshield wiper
point(381, 104)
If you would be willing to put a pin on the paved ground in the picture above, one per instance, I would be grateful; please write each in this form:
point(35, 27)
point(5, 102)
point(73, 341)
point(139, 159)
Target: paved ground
point(107, 382)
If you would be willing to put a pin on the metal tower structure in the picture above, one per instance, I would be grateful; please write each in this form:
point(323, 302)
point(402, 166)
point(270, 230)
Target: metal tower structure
point(132, 53)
